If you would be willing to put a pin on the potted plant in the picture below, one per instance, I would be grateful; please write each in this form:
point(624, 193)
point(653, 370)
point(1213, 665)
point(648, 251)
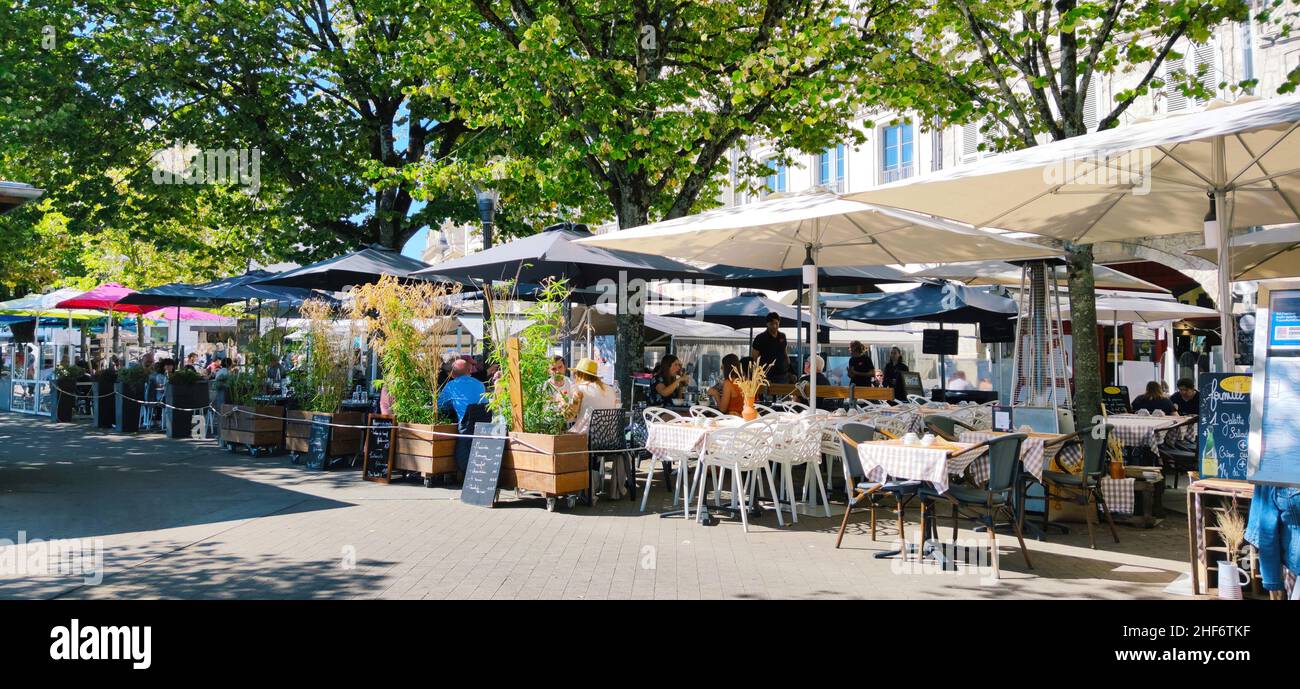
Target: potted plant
point(104, 402)
point(320, 384)
point(66, 377)
point(407, 324)
point(129, 390)
point(750, 382)
point(540, 456)
point(186, 392)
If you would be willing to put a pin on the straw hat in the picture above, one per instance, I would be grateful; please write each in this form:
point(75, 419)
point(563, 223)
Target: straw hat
point(588, 367)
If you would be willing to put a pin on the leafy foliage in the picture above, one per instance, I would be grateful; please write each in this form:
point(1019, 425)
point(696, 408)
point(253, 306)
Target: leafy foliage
point(326, 371)
point(133, 376)
point(407, 324)
point(184, 376)
point(543, 412)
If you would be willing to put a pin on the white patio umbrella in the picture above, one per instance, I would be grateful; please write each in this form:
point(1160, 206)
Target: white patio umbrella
point(815, 228)
point(1142, 310)
point(1265, 255)
point(1009, 275)
point(1150, 178)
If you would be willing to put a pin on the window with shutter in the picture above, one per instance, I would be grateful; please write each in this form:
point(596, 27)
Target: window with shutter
point(1091, 116)
point(970, 142)
point(1207, 69)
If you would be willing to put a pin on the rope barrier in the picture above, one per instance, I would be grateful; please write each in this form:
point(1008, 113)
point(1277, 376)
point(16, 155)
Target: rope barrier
point(418, 431)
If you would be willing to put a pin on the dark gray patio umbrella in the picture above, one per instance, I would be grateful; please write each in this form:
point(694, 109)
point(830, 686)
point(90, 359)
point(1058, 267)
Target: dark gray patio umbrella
point(749, 310)
point(941, 303)
point(552, 253)
point(360, 267)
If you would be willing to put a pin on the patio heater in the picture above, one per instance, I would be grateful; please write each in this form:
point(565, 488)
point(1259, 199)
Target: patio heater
point(1040, 380)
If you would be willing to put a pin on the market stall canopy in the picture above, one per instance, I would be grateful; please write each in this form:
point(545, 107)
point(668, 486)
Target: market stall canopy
point(791, 278)
point(749, 310)
point(1009, 275)
point(773, 234)
point(556, 253)
point(360, 267)
point(15, 194)
point(1139, 310)
point(1265, 255)
point(945, 303)
point(1051, 189)
point(105, 297)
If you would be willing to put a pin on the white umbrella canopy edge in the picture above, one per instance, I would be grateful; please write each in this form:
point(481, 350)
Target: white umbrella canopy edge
point(792, 230)
point(1006, 274)
point(1269, 254)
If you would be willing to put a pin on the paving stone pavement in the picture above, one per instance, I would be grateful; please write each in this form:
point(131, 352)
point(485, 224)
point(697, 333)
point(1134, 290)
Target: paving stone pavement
point(183, 519)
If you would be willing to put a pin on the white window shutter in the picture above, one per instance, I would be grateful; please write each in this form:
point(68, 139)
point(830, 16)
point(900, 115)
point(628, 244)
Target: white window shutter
point(1090, 110)
point(1175, 101)
point(970, 142)
point(1207, 66)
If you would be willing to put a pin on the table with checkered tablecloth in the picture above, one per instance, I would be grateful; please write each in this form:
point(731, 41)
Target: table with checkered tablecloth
point(1146, 431)
point(1033, 454)
point(883, 459)
point(1118, 493)
point(685, 437)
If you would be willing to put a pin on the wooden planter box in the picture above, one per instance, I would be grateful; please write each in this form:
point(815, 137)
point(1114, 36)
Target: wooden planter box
point(253, 431)
point(430, 455)
point(560, 468)
point(343, 441)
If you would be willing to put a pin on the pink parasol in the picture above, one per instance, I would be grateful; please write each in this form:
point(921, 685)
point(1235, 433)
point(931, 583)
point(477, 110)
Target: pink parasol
point(185, 313)
point(105, 298)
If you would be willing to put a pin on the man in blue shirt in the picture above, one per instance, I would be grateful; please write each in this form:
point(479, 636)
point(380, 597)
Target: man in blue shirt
point(462, 390)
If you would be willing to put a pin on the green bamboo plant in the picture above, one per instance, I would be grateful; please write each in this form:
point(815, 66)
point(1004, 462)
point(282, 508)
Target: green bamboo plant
point(543, 411)
point(326, 374)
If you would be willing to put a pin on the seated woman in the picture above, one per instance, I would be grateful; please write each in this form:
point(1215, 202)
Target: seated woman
point(726, 394)
point(669, 382)
point(1153, 400)
point(589, 393)
point(801, 387)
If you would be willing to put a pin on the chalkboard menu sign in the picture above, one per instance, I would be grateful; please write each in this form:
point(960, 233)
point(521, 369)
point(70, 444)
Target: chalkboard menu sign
point(318, 440)
point(1115, 399)
point(484, 470)
point(378, 464)
point(1224, 425)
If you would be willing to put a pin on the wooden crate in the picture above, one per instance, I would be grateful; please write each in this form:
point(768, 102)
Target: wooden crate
point(343, 441)
point(430, 455)
point(253, 431)
point(554, 465)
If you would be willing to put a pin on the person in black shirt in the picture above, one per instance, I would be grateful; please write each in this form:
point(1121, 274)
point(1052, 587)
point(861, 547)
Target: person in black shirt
point(769, 350)
point(860, 368)
point(1188, 400)
point(1153, 400)
point(894, 370)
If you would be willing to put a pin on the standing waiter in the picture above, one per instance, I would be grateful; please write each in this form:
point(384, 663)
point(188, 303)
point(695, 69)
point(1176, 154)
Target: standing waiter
point(769, 350)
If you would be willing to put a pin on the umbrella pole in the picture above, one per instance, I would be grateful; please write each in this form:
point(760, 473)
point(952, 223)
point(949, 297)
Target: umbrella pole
point(176, 355)
point(798, 327)
point(813, 320)
point(943, 367)
point(1224, 215)
point(1114, 344)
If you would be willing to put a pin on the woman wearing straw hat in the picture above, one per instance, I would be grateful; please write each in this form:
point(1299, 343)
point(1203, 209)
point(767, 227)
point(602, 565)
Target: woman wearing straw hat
point(589, 392)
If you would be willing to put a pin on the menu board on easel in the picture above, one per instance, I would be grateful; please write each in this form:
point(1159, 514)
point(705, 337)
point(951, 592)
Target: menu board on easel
point(1223, 425)
point(1115, 399)
point(1275, 408)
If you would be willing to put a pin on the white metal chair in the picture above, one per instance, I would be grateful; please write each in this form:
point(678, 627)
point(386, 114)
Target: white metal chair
point(700, 411)
point(681, 460)
point(742, 450)
point(799, 442)
point(794, 407)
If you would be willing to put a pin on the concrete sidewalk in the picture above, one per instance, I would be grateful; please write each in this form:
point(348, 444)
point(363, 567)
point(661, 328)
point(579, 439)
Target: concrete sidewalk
point(182, 519)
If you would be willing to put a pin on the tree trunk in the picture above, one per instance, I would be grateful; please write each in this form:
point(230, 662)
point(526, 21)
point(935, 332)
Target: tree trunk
point(1083, 334)
point(631, 326)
